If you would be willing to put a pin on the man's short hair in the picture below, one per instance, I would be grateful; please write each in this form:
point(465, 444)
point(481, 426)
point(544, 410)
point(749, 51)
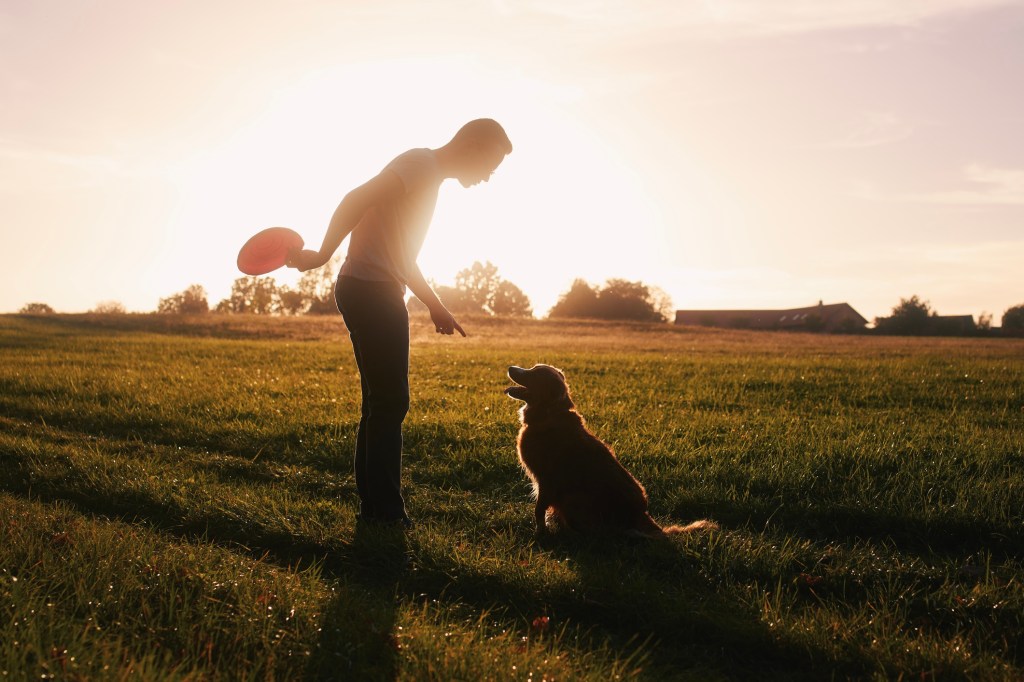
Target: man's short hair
point(486, 130)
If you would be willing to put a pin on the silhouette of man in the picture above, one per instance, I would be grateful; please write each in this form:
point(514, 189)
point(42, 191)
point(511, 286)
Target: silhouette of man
point(388, 217)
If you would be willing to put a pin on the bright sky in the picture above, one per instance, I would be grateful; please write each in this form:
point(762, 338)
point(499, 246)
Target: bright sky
point(735, 153)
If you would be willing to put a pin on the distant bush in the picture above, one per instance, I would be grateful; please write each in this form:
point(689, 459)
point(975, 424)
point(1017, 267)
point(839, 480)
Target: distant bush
point(36, 309)
point(457, 301)
point(579, 301)
point(249, 294)
point(914, 317)
point(510, 301)
point(909, 317)
point(109, 308)
point(1013, 319)
point(479, 289)
point(312, 295)
point(316, 288)
point(618, 299)
point(192, 301)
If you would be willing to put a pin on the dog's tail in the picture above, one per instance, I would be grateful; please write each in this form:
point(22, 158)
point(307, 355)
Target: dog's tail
point(648, 527)
point(703, 524)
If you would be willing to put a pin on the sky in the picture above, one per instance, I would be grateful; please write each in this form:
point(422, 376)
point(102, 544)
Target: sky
point(734, 153)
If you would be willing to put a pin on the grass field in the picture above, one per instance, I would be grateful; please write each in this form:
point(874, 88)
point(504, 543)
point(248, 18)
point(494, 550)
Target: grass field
point(176, 503)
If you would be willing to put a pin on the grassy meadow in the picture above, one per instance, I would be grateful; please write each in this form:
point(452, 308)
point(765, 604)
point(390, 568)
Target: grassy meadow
point(176, 503)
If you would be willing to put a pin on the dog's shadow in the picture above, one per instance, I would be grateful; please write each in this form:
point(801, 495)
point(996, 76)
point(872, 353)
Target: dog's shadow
point(657, 591)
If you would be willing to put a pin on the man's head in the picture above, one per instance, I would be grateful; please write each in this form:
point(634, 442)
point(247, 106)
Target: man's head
point(477, 150)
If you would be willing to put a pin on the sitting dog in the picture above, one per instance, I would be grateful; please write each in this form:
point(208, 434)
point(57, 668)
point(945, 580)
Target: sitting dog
point(578, 482)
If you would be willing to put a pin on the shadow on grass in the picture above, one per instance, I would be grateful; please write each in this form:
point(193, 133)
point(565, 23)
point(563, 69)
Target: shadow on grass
point(278, 447)
point(838, 522)
point(377, 574)
point(358, 637)
point(632, 591)
point(357, 631)
point(625, 590)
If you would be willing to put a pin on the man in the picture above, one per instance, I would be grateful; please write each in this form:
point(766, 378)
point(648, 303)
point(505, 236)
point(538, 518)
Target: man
point(388, 218)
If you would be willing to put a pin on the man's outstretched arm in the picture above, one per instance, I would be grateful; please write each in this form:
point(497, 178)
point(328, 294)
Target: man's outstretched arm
point(444, 321)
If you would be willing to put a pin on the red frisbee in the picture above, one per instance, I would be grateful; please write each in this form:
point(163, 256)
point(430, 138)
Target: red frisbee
point(268, 250)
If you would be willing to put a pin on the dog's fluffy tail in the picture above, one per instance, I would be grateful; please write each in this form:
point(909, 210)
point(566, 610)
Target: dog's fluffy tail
point(703, 524)
point(648, 527)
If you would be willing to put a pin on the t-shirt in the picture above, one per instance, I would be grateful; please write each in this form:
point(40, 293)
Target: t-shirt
point(384, 244)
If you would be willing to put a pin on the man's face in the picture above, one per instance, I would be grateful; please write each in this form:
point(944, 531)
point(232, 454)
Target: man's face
point(481, 161)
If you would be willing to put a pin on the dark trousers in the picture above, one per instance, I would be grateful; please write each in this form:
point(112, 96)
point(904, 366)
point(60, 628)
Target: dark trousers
point(378, 324)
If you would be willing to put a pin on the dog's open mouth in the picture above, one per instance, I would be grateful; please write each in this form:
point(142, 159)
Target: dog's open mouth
point(518, 391)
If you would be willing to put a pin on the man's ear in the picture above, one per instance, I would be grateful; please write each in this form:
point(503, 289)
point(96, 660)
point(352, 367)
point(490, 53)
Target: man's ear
point(518, 392)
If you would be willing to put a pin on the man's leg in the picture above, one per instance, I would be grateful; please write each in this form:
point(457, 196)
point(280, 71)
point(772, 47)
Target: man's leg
point(379, 325)
point(366, 509)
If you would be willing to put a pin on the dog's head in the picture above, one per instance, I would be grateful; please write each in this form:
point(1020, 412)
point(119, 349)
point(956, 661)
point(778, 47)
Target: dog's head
point(541, 386)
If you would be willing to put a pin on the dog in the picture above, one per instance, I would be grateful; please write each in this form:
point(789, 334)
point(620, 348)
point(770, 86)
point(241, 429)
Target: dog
point(578, 481)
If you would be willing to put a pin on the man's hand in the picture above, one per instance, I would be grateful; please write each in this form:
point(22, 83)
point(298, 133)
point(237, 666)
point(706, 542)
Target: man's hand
point(444, 322)
point(303, 260)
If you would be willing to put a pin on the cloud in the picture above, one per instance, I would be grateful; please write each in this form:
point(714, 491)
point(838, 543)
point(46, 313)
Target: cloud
point(90, 163)
point(989, 187)
point(729, 18)
point(875, 128)
point(26, 167)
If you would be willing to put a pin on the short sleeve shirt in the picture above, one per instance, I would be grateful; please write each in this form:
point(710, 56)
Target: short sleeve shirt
point(385, 243)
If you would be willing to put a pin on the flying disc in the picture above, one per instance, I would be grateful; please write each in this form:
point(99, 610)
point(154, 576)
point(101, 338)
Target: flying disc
point(268, 250)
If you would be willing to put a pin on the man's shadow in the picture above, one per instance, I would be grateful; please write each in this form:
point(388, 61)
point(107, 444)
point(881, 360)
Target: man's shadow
point(358, 639)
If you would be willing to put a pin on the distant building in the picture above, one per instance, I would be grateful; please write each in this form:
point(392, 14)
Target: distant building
point(834, 317)
point(954, 325)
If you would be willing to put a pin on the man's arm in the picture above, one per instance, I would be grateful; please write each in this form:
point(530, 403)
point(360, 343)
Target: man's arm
point(444, 322)
point(382, 188)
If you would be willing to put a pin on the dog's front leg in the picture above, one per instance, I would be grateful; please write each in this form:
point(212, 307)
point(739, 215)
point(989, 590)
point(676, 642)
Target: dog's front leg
point(540, 514)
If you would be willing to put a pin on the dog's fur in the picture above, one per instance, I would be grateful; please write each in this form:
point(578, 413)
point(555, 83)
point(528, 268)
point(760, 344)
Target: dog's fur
point(578, 482)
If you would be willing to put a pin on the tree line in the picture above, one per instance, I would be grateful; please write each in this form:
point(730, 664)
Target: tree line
point(916, 317)
point(478, 289)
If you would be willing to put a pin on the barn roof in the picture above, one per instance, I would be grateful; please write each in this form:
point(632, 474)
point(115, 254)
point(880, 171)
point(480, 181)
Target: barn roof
point(828, 315)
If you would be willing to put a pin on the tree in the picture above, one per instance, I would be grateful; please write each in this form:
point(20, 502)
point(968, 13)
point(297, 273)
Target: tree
point(478, 284)
point(249, 294)
point(457, 300)
point(624, 300)
point(510, 301)
point(661, 302)
point(36, 309)
point(317, 289)
point(292, 301)
point(191, 301)
point(912, 316)
point(1013, 318)
point(985, 321)
point(618, 299)
point(579, 301)
point(480, 290)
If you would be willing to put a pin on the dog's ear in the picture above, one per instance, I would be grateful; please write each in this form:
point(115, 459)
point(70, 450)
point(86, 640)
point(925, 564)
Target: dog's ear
point(518, 392)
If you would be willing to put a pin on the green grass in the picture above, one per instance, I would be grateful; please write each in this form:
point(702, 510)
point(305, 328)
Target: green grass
point(176, 502)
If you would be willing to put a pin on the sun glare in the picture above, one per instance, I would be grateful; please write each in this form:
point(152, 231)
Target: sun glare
point(561, 206)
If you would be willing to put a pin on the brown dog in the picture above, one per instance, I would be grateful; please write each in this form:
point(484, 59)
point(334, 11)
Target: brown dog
point(577, 480)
